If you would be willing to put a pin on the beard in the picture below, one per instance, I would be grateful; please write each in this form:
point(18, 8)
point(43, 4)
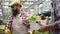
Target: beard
point(15, 13)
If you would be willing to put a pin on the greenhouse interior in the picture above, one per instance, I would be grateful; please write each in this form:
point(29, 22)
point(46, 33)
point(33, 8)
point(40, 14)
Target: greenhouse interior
point(39, 11)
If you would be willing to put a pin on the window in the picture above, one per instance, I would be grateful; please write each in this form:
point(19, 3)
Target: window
point(6, 3)
point(0, 10)
point(31, 10)
point(28, 3)
point(5, 6)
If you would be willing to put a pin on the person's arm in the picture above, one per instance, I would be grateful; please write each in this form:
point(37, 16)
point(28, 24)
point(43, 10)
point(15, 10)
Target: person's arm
point(53, 15)
point(54, 25)
point(9, 22)
point(49, 26)
point(24, 20)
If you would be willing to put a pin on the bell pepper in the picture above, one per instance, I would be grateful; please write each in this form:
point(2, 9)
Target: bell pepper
point(7, 31)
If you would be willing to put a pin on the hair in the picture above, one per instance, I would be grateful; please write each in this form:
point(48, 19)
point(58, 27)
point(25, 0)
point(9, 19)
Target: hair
point(15, 12)
point(18, 5)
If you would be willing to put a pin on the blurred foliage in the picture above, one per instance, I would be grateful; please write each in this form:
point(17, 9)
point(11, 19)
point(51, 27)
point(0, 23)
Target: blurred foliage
point(36, 32)
point(1, 21)
point(5, 16)
point(2, 26)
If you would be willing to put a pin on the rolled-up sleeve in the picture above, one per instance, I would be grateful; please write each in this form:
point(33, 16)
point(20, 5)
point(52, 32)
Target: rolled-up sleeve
point(9, 22)
point(26, 14)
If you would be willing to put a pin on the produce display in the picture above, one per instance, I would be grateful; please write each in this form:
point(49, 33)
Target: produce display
point(31, 17)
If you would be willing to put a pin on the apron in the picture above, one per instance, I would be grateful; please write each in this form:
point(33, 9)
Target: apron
point(18, 27)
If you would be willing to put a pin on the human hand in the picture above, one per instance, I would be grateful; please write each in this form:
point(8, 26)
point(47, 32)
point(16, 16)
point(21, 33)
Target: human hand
point(42, 28)
point(7, 31)
point(27, 25)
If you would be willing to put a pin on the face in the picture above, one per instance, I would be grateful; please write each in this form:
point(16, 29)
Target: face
point(14, 10)
point(13, 7)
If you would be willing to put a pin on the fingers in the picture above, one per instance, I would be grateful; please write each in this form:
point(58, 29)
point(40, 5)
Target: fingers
point(41, 30)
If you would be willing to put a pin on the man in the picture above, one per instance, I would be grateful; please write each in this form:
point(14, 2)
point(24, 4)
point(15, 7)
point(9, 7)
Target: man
point(17, 23)
point(54, 26)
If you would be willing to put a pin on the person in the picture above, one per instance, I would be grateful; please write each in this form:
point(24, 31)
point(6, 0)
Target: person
point(54, 26)
point(17, 23)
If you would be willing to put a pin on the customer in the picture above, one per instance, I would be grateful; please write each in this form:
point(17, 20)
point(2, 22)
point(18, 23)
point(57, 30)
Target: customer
point(54, 26)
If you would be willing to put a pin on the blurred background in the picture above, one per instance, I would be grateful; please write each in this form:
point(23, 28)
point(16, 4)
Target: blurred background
point(35, 6)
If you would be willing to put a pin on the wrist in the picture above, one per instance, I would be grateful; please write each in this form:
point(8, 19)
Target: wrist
point(50, 26)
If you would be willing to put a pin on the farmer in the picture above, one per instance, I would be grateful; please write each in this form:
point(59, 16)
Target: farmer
point(17, 19)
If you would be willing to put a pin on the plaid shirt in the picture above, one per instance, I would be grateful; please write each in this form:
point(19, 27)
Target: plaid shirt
point(10, 20)
point(55, 14)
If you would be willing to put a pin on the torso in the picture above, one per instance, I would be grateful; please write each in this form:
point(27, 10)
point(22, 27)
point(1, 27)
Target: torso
point(18, 27)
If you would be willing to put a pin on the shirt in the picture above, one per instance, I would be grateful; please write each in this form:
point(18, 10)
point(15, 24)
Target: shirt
point(10, 19)
point(55, 14)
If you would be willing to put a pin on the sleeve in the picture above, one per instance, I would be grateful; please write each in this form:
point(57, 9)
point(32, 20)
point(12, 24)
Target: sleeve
point(26, 14)
point(52, 15)
point(57, 23)
point(9, 22)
